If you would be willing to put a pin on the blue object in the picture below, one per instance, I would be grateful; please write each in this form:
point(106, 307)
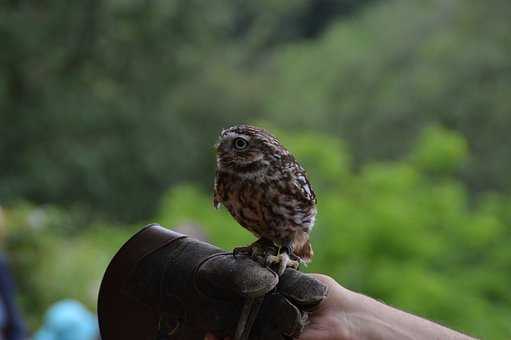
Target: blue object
point(68, 320)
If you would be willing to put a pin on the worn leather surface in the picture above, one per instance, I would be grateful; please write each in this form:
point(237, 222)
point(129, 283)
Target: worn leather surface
point(164, 285)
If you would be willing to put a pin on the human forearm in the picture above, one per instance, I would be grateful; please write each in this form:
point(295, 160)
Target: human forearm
point(371, 319)
point(347, 315)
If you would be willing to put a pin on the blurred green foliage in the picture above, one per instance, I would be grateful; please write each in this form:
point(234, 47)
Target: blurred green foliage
point(108, 103)
point(382, 76)
point(52, 260)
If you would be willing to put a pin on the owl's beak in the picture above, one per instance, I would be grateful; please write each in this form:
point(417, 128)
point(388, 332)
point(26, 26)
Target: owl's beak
point(219, 147)
point(222, 147)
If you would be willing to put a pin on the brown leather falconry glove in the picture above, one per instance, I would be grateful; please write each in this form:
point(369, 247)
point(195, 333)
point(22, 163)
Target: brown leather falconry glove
point(165, 285)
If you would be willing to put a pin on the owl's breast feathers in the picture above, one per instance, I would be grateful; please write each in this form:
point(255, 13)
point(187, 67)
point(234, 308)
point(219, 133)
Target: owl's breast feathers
point(280, 200)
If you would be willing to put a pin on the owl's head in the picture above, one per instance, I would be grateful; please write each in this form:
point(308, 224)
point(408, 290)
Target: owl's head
point(245, 144)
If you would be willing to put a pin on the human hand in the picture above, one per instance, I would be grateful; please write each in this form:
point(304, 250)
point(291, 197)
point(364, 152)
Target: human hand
point(329, 321)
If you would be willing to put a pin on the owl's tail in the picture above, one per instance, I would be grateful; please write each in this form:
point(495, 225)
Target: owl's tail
point(302, 247)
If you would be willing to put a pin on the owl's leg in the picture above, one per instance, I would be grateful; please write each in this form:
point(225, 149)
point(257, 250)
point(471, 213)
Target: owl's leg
point(287, 248)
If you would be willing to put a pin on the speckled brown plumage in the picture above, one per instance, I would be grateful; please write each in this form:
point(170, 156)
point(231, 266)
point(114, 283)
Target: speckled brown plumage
point(264, 188)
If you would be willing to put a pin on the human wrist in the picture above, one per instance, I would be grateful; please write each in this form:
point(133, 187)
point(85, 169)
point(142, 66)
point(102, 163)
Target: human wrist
point(351, 315)
point(347, 315)
point(369, 319)
point(365, 318)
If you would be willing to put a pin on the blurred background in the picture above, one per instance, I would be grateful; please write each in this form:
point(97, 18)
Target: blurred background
point(400, 110)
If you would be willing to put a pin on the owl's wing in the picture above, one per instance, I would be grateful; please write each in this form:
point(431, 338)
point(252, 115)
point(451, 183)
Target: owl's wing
point(303, 184)
point(218, 191)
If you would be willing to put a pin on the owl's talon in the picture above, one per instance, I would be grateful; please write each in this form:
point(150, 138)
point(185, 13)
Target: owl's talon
point(293, 264)
point(271, 260)
point(283, 261)
point(295, 258)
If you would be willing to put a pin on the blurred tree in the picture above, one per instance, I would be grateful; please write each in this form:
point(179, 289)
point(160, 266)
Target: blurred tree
point(107, 103)
point(379, 78)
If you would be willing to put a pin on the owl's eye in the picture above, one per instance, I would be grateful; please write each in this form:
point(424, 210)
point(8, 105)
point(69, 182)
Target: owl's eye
point(240, 143)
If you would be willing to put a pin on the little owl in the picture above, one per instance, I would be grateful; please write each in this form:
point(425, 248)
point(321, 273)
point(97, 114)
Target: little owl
point(267, 192)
